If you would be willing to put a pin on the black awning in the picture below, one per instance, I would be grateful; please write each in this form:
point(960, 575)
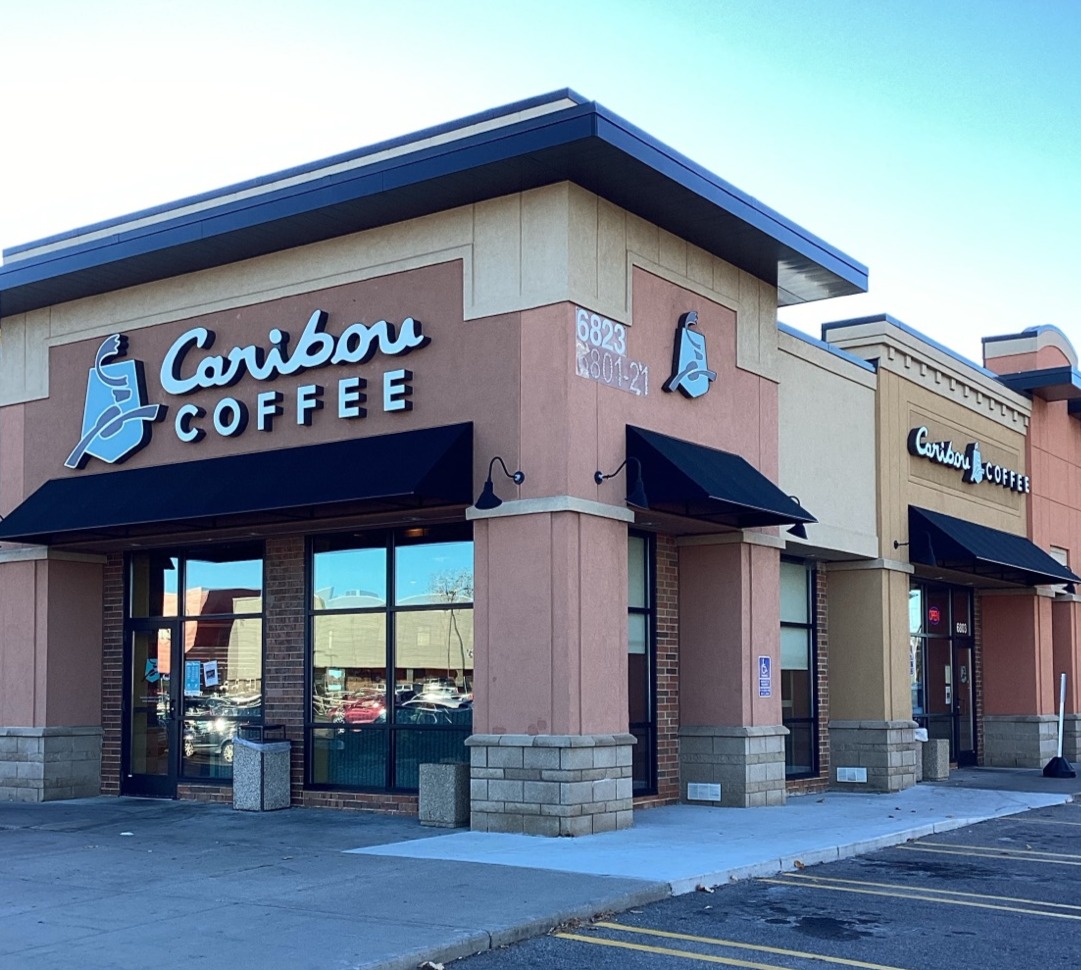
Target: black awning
point(704, 483)
point(413, 469)
point(941, 540)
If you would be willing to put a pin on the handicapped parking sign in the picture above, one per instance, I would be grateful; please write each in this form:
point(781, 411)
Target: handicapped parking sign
point(765, 677)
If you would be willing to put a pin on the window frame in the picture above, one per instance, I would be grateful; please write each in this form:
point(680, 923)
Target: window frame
point(390, 540)
point(811, 627)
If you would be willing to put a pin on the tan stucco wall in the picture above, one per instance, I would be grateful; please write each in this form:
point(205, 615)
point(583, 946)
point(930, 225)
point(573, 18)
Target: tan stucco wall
point(869, 672)
point(827, 446)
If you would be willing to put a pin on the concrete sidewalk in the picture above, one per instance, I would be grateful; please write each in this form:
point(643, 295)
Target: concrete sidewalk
point(124, 884)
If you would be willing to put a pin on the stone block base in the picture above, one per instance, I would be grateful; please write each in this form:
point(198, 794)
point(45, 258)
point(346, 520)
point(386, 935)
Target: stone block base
point(1019, 741)
point(873, 755)
point(935, 763)
point(747, 763)
point(444, 795)
point(48, 764)
point(550, 784)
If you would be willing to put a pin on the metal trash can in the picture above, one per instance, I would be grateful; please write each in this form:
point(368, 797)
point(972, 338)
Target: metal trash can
point(261, 756)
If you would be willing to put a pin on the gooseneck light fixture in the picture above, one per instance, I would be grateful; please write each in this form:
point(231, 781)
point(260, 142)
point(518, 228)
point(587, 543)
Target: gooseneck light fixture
point(636, 496)
point(799, 530)
point(488, 498)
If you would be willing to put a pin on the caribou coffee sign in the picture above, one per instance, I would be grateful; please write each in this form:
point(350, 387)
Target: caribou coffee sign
point(969, 462)
point(117, 417)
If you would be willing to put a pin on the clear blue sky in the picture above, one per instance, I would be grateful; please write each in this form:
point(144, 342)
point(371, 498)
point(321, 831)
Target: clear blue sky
point(936, 141)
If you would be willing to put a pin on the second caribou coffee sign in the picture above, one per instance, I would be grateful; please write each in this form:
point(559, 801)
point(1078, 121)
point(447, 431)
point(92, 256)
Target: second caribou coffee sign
point(969, 462)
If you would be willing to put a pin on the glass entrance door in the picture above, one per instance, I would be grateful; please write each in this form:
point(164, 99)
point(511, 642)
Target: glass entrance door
point(151, 713)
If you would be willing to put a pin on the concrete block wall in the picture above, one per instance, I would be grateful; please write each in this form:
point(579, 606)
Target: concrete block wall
point(747, 763)
point(886, 749)
point(550, 784)
point(1019, 741)
point(45, 764)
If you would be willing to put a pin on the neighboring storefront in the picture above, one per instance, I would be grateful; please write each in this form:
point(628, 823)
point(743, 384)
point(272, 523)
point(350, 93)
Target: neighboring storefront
point(460, 448)
point(966, 596)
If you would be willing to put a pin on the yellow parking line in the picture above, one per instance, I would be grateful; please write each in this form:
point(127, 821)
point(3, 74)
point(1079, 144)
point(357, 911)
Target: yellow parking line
point(922, 896)
point(1015, 855)
point(1042, 821)
point(996, 848)
point(943, 892)
point(688, 955)
point(713, 941)
point(666, 951)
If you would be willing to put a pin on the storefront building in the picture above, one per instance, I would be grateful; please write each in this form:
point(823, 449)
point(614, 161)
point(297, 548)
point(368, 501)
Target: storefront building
point(484, 446)
point(250, 443)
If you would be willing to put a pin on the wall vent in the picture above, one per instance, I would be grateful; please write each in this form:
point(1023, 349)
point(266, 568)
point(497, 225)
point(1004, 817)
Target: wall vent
point(852, 774)
point(697, 792)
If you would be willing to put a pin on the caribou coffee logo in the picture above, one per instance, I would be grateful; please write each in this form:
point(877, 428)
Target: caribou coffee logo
point(690, 374)
point(116, 415)
point(970, 463)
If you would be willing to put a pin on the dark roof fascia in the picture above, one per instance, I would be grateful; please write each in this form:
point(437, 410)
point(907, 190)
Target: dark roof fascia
point(305, 168)
point(583, 143)
point(1048, 383)
point(829, 348)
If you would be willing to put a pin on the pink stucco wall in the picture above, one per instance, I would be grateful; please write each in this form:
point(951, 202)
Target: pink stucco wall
point(1017, 656)
point(729, 610)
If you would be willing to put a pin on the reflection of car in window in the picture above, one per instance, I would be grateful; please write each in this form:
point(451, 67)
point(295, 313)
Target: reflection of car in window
point(213, 725)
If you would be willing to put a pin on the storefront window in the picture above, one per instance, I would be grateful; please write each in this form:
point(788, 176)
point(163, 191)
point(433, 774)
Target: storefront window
point(797, 670)
point(391, 656)
point(641, 661)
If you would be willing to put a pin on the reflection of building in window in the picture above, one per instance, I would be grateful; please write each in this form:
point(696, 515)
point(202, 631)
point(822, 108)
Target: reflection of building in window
point(798, 708)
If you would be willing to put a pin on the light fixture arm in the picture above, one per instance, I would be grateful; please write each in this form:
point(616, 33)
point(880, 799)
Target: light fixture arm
point(517, 476)
point(637, 496)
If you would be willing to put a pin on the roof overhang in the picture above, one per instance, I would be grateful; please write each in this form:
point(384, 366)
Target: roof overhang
point(1049, 383)
point(550, 139)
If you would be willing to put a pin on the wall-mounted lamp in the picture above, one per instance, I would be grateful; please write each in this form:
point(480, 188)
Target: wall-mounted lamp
point(925, 550)
point(799, 530)
point(488, 498)
point(637, 494)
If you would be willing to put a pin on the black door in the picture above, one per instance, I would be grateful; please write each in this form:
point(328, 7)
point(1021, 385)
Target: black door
point(151, 714)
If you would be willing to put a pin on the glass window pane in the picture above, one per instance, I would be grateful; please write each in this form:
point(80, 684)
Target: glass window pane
point(794, 598)
point(433, 664)
point(439, 572)
point(962, 624)
point(795, 648)
point(915, 610)
point(799, 749)
point(231, 586)
point(637, 633)
point(349, 668)
point(937, 612)
point(153, 584)
point(915, 660)
point(796, 694)
point(223, 659)
point(636, 571)
point(638, 688)
point(350, 757)
point(414, 748)
point(350, 579)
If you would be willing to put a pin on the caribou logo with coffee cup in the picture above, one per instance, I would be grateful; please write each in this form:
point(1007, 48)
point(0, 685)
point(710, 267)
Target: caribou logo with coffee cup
point(116, 415)
point(691, 375)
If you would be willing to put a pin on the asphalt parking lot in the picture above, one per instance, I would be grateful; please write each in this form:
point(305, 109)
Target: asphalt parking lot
point(1000, 895)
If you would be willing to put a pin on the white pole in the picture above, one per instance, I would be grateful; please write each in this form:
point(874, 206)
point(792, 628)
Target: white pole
point(1061, 711)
